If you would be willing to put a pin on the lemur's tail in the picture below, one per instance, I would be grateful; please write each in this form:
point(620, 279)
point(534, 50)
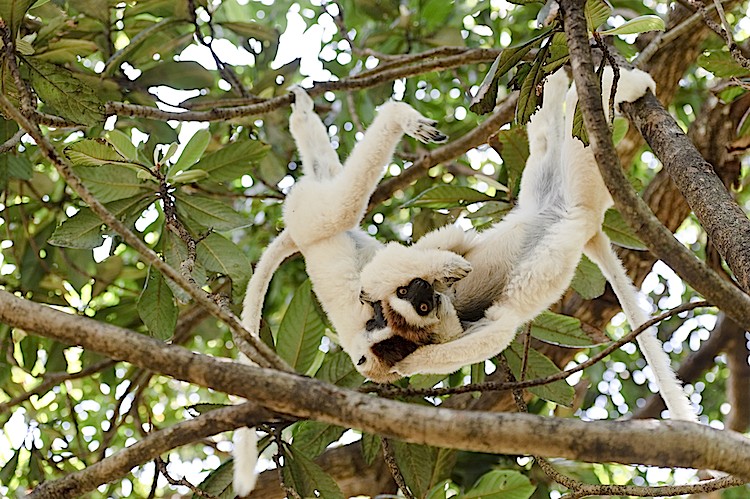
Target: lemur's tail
point(599, 250)
point(245, 439)
point(281, 248)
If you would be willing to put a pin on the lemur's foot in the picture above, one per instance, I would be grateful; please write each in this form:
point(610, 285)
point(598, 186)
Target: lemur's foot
point(302, 101)
point(424, 130)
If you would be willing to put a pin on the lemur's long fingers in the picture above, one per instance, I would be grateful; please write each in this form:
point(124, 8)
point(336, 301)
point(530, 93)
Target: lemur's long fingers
point(424, 131)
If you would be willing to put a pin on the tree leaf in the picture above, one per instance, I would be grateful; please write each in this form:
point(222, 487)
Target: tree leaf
point(513, 147)
point(193, 150)
point(9, 470)
point(528, 97)
point(539, 366)
point(301, 330)
point(579, 127)
point(180, 75)
point(620, 232)
point(156, 306)
point(560, 330)
point(219, 254)
point(501, 484)
point(61, 90)
point(307, 478)
point(95, 152)
point(588, 280)
point(721, 64)
point(484, 100)
point(12, 12)
point(338, 369)
point(111, 183)
point(422, 466)
point(372, 445)
point(233, 160)
point(447, 196)
point(218, 483)
point(208, 212)
point(639, 24)
point(597, 12)
point(84, 229)
point(312, 437)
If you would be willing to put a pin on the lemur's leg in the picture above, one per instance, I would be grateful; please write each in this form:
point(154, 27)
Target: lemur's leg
point(316, 210)
point(319, 159)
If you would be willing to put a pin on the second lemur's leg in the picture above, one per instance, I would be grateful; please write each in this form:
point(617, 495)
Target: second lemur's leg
point(319, 159)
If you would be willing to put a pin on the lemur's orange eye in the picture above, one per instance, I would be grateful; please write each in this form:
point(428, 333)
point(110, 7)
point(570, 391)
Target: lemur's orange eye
point(401, 292)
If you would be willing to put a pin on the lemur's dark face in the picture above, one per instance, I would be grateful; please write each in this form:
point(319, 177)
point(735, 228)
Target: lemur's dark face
point(413, 315)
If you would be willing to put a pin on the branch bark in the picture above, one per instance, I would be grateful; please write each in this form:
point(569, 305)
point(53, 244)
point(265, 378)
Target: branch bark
point(633, 209)
point(663, 443)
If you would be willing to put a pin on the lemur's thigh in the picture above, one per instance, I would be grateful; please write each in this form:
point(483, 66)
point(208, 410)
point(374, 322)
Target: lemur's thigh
point(319, 159)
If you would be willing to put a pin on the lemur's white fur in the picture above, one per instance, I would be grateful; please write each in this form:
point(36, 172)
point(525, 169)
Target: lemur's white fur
point(322, 214)
point(525, 262)
point(483, 286)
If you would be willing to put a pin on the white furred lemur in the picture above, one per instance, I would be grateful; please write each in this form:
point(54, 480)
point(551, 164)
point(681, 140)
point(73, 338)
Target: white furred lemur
point(453, 298)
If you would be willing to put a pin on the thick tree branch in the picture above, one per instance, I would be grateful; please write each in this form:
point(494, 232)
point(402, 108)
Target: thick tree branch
point(670, 443)
point(119, 464)
point(633, 209)
point(721, 217)
point(425, 65)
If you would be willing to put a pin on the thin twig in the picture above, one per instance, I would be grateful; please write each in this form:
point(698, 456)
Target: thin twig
point(162, 467)
point(390, 461)
point(390, 391)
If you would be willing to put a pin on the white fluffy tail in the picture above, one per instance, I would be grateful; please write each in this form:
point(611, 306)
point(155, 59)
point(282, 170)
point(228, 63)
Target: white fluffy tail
point(245, 458)
point(245, 439)
point(599, 250)
point(276, 252)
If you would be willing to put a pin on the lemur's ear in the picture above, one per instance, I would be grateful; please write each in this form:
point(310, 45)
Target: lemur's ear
point(394, 349)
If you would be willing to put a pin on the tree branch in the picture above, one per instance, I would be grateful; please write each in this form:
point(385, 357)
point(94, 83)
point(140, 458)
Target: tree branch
point(119, 464)
point(633, 209)
point(663, 443)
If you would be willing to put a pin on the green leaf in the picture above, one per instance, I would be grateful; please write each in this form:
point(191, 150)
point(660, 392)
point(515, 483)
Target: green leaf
point(123, 145)
point(560, 330)
point(484, 100)
point(219, 254)
point(175, 252)
point(312, 437)
point(338, 369)
point(639, 24)
point(84, 229)
point(30, 351)
point(539, 366)
point(111, 183)
point(180, 75)
point(620, 232)
point(9, 470)
point(493, 209)
point(193, 150)
point(501, 484)
point(12, 12)
point(95, 152)
point(61, 90)
point(301, 330)
point(514, 150)
point(255, 30)
point(447, 196)
point(208, 212)
point(721, 64)
point(528, 97)
point(579, 127)
point(619, 129)
point(66, 50)
point(218, 483)
point(233, 160)
point(372, 446)
point(307, 478)
point(558, 53)
point(588, 280)
point(597, 12)
point(156, 306)
point(56, 361)
point(422, 466)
